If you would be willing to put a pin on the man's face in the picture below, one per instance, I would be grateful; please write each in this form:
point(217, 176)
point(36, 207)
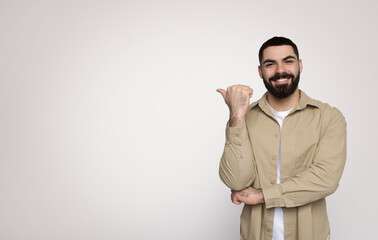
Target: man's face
point(280, 69)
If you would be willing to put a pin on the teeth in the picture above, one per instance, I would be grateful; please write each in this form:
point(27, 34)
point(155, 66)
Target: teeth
point(282, 79)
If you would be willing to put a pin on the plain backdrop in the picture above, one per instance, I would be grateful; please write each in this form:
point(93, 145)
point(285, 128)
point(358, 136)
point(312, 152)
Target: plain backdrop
point(111, 128)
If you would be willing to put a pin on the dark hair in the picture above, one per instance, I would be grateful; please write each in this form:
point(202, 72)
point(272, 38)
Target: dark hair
point(277, 41)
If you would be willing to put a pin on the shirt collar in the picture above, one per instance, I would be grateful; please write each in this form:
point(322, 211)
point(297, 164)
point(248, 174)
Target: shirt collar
point(304, 101)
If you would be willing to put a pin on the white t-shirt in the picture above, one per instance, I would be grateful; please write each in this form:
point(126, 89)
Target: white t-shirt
point(278, 224)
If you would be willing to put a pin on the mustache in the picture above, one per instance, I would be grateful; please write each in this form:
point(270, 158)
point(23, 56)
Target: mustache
point(279, 76)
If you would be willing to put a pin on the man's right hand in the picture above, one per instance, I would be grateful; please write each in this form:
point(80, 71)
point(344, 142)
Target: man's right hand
point(237, 99)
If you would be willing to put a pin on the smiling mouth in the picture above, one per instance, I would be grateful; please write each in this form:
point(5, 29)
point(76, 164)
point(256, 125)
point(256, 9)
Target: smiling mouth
point(282, 80)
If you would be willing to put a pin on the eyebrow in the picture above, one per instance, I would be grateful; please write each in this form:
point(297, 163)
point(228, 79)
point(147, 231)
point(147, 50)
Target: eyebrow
point(286, 58)
point(269, 61)
point(289, 57)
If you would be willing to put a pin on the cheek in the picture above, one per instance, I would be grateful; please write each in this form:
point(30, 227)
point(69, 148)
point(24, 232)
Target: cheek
point(294, 70)
point(268, 73)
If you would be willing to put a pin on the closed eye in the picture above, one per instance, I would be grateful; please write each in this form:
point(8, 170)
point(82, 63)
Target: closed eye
point(289, 59)
point(268, 63)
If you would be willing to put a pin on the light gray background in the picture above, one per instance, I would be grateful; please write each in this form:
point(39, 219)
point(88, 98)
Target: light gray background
point(111, 128)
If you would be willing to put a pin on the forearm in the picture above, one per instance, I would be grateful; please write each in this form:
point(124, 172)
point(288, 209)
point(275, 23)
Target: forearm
point(237, 168)
point(308, 186)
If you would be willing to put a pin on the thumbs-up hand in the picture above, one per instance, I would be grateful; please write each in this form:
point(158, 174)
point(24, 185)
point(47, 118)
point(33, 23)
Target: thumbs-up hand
point(237, 99)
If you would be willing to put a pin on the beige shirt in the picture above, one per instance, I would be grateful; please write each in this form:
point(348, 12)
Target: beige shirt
point(313, 154)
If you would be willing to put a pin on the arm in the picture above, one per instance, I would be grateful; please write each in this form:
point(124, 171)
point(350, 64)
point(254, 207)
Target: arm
point(321, 178)
point(237, 168)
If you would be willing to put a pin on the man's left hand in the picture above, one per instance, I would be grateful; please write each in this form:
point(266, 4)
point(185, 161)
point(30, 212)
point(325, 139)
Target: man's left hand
point(249, 195)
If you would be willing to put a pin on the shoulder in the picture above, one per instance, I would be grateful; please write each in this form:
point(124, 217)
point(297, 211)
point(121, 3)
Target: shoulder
point(328, 111)
point(253, 105)
point(331, 118)
point(324, 108)
point(258, 104)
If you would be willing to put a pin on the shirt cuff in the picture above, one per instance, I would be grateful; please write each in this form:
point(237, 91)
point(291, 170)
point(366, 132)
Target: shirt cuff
point(273, 196)
point(236, 135)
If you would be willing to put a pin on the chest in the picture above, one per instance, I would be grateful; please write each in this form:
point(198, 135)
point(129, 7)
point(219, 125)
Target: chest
point(299, 137)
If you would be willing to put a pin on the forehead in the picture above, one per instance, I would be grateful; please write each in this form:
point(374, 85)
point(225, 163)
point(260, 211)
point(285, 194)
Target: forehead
point(278, 52)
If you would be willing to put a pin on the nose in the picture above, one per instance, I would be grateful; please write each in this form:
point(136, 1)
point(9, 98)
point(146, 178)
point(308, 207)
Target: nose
point(280, 68)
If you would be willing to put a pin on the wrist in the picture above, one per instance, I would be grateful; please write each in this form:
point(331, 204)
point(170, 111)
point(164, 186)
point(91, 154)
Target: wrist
point(235, 120)
point(261, 195)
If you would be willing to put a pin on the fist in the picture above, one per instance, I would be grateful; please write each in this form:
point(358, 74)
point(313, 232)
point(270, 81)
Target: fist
point(237, 98)
point(249, 195)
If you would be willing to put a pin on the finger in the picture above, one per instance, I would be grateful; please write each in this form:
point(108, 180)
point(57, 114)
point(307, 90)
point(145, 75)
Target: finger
point(250, 92)
point(222, 92)
point(233, 197)
point(236, 201)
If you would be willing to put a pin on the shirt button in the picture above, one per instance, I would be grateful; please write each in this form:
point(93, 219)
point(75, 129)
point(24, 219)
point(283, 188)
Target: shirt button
point(275, 135)
point(269, 230)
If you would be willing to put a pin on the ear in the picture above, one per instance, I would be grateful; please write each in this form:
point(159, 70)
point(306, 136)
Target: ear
point(260, 71)
point(300, 65)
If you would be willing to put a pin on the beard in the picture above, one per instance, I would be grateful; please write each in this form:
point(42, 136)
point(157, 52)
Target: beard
point(282, 90)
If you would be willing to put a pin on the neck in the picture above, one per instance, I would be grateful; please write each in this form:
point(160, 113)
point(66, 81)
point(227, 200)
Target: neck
point(283, 104)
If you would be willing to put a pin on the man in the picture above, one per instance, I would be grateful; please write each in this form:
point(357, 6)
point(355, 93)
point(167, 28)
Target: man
point(284, 153)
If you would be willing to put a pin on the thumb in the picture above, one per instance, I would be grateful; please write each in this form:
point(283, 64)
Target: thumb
point(222, 92)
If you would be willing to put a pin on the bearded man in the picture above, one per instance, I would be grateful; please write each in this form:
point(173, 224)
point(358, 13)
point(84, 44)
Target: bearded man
point(284, 153)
